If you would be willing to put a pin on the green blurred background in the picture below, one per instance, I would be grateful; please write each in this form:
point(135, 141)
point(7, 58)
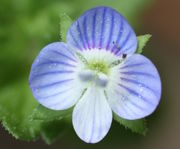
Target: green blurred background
point(28, 25)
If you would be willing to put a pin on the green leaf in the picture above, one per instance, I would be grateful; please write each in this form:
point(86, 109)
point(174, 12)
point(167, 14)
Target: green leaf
point(16, 104)
point(42, 113)
point(142, 41)
point(137, 126)
point(65, 22)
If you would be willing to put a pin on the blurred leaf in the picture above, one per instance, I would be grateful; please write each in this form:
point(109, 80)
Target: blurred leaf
point(42, 113)
point(53, 130)
point(142, 41)
point(137, 126)
point(65, 22)
point(16, 104)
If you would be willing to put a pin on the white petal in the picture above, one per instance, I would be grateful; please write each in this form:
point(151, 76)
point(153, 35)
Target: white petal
point(92, 116)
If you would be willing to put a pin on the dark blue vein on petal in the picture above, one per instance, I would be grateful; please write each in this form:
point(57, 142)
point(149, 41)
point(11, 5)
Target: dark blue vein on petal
point(133, 103)
point(125, 41)
point(100, 122)
point(127, 49)
point(57, 102)
point(93, 29)
point(92, 131)
point(119, 37)
point(57, 52)
point(111, 31)
point(63, 101)
point(102, 28)
point(52, 84)
point(86, 118)
point(77, 45)
point(137, 73)
point(127, 108)
point(139, 83)
point(132, 65)
point(58, 93)
point(85, 32)
point(124, 108)
point(80, 34)
point(51, 73)
point(69, 51)
point(130, 91)
point(55, 62)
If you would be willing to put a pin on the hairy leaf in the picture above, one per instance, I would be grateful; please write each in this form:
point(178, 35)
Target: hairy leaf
point(142, 41)
point(16, 105)
point(137, 126)
point(65, 22)
point(42, 113)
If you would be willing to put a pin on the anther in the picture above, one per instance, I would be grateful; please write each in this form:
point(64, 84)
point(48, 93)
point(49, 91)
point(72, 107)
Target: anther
point(117, 47)
point(124, 56)
point(102, 80)
point(86, 75)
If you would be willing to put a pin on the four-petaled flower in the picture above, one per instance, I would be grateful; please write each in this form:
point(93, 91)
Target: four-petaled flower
point(97, 72)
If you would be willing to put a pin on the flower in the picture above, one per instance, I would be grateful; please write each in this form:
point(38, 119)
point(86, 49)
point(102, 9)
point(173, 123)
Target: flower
point(98, 72)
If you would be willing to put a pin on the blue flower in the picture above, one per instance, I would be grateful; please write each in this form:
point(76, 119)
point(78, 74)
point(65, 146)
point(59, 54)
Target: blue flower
point(98, 72)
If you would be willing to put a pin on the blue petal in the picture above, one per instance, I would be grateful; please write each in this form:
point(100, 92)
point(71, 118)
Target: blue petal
point(138, 91)
point(102, 28)
point(52, 78)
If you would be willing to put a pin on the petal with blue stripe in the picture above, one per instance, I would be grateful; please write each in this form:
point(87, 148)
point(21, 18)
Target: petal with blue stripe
point(137, 91)
point(53, 77)
point(92, 116)
point(102, 28)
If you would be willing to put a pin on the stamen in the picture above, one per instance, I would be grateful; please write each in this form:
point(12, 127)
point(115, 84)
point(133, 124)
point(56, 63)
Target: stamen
point(117, 47)
point(115, 63)
point(102, 80)
point(87, 75)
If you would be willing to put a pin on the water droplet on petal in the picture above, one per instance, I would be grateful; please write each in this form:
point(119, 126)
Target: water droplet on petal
point(124, 98)
point(140, 88)
point(37, 61)
point(139, 96)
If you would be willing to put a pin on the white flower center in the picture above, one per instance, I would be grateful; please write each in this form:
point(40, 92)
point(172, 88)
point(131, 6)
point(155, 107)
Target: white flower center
point(98, 67)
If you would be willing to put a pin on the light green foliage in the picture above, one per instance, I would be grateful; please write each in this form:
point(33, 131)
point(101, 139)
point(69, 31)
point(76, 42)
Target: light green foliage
point(26, 26)
point(137, 126)
point(44, 114)
point(142, 41)
point(65, 22)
